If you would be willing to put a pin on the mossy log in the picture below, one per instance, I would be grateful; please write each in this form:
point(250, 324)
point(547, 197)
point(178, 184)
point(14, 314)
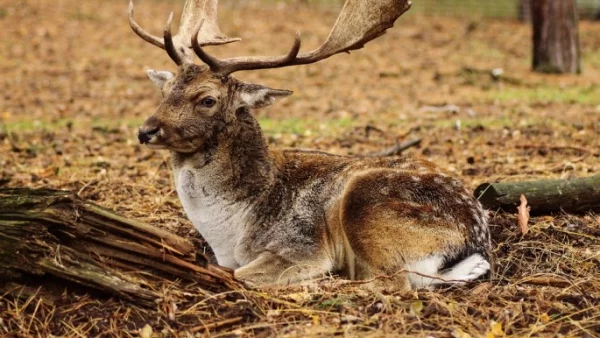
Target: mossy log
point(572, 195)
point(54, 233)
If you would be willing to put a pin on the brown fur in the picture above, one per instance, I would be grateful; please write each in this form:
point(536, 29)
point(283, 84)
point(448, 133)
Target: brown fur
point(288, 215)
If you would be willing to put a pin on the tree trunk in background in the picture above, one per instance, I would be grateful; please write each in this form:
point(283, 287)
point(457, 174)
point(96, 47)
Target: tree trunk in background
point(524, 9)
point(555, 36)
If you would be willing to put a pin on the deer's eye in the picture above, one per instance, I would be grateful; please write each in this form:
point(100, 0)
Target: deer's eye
point(208, 101)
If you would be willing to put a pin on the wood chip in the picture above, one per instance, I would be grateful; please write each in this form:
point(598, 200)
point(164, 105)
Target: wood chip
point(523, 215)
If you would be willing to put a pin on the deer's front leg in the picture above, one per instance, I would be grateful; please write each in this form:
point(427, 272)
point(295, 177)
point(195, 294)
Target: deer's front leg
point(270, 269)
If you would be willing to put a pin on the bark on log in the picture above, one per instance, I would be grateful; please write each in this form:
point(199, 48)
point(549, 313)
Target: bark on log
point(48, 232)
point(574, 195)
point(555, 36)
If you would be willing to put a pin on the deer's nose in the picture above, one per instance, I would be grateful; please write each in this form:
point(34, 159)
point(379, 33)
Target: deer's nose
point(145, 134)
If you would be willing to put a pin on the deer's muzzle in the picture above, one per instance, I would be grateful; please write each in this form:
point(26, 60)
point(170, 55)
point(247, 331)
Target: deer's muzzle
point(146, 134)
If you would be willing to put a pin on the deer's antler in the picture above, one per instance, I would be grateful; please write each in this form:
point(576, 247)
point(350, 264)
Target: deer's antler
point(179, 47)
point(359, 22)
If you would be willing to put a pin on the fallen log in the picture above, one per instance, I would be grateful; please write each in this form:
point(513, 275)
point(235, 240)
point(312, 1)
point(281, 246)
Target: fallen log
point(572, 195)
point(54, 233)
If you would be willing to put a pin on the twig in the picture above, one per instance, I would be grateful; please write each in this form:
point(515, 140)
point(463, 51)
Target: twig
point(369, 128)
point(547, 281)
point(396, 149)
point(562, 167)
point(85, 186)
point(216, 325)
point(449, 108)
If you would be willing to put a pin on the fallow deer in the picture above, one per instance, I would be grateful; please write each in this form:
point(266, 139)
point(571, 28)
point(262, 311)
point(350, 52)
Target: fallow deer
point(286, 215)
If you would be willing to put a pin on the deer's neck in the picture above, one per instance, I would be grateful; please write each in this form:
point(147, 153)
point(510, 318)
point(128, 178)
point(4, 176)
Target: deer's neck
point(236, 162)
point(219, 184)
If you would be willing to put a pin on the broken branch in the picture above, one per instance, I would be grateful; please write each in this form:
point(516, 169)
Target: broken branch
point(55, 233)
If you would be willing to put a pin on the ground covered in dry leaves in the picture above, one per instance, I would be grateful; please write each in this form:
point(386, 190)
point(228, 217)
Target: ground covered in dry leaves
point(74, 91)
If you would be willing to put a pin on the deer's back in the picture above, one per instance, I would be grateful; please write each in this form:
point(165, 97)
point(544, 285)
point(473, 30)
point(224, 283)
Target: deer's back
point(321, 198)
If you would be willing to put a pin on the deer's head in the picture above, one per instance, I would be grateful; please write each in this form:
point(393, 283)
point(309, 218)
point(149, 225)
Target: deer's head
point(197, 105)
point(203, 100)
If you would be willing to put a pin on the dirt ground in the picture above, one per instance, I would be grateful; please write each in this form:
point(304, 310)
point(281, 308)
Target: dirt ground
point(74, 92)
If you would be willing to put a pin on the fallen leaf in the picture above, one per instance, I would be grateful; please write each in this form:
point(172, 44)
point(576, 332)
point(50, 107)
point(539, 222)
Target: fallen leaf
point(496, 329)
point(146, 331)
point(544, 318)
point(299, 297)
point(523, 215)
point(459, 333)
point(483, 287)
point(416, 307)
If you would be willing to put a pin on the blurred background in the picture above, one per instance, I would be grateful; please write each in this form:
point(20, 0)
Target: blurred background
point(456, 75)
point(588, 9)
point(453, 78)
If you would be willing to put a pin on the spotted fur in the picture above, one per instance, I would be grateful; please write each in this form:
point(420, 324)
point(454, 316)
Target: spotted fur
point(285, 215)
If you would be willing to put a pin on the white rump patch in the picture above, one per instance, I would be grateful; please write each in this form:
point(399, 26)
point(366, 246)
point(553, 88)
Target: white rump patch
point(468, 269)
point(425, 271)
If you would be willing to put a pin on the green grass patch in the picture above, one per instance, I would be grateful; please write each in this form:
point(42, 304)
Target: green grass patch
point(304, 126)
point(109, 124)
point(496, 9)
point(484, 50)
point(30, 125)
point(548, 94)
point(269, 126)
point(590, 59)
point(80, 15)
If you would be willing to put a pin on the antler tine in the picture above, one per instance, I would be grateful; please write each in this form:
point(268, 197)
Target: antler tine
point(252, 63)
point(178, 47)
point(169, 46)
point(359, 22)
point(141, 32)
point(210, 61)
point(219, 66)
point(196, 11)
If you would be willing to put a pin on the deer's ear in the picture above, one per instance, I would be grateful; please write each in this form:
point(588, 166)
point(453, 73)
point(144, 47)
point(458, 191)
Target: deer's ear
point(257, 96)
point(159, 77)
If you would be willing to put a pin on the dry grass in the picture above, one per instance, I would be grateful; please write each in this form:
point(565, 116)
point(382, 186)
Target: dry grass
point(74, 91)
